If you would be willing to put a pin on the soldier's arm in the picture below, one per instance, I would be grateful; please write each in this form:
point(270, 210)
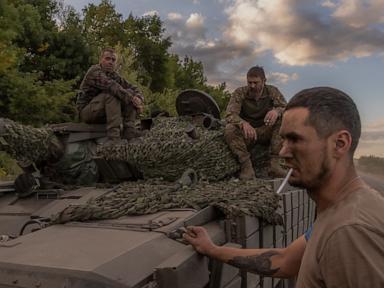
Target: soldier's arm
point(99, 79)
point(276, 262)
point(134, 90)
point(279, 102)
point(232, 114)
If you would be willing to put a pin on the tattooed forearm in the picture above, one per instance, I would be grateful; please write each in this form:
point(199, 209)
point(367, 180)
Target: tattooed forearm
point(259, 264)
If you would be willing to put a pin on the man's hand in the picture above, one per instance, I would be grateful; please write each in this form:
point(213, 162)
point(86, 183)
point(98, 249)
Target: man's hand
point(271, 117)
point(248, 131)
point(198, 237)
point(138, 103)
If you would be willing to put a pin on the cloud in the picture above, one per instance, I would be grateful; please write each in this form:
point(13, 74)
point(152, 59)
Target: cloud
point(223, 60)
point(281, 78)
point(357, 13)
point(366, 148)
point(173, 16)
point(151, 13)
point(294, 32)
point(195, 21)
point(298, 32)
point(374, 131)
point(372, 139)
point(185, 32)
point(328, 3)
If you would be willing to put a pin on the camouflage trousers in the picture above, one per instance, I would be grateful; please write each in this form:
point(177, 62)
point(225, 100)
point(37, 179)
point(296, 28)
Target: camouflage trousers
point(105, 108)
point(266, 135)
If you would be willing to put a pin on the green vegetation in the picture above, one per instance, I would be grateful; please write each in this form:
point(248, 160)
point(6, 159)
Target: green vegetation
point(8, 167)
point(46, 48)
point(371, 164)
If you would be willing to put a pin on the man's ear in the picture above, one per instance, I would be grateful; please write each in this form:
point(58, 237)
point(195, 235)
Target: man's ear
point(342, 143)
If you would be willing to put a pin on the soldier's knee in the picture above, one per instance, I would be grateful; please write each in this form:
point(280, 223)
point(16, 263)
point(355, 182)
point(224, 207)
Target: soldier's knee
point(231, 128)
point(231, 132)
point(109, 98)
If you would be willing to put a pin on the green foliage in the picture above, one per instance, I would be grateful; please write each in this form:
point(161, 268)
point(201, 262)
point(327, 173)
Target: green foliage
point(103, 26)
point(8, 24)
point(372, 164)
point(46, 48)
point(32, 101)
point(220, 94)
point(58, 52)
point(145, 36)
point(190, 74)
point(8, 167)
point(162, 102)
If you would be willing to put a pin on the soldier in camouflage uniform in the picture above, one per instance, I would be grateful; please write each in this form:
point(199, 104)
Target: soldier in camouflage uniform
point(253, 116)
point(106, 97)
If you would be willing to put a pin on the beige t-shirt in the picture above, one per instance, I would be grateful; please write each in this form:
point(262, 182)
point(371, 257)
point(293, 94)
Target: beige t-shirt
point(346, 248)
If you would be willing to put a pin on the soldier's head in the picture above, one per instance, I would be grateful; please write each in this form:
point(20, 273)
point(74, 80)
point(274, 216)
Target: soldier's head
point(256, 80)
point(320, 128)
point(108, 58)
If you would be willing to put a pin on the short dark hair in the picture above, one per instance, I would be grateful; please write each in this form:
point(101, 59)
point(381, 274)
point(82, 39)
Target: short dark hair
point(256, 71)
point(330, 110)
point(107, 49)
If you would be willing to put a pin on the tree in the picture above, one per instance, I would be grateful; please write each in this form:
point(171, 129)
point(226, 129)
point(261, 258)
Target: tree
point(103, 26)
point(8, 31)
point(145, 36)
point(190, 74)
point(29, 91)
point(46, 48)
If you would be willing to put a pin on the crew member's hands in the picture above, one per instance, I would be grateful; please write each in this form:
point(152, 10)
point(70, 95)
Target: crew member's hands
point(271, 117)
point(198, 237)
point(138, 103)
point(248, 131)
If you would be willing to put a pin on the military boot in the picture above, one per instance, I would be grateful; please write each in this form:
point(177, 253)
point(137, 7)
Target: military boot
point(114, 141)
point(275, 169)
point(131, 133)
point(113, 135)
point(247, 172)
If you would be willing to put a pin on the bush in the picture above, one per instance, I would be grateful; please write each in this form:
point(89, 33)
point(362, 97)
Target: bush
point(8, 167)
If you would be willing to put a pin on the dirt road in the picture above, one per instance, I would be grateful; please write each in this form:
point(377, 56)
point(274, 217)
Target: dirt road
point(375, 181)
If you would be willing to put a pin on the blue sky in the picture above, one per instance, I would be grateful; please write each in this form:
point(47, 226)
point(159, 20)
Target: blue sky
point(300, 44)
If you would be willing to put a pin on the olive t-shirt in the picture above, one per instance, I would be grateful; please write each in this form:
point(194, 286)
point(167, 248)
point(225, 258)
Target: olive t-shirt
point(346, 247)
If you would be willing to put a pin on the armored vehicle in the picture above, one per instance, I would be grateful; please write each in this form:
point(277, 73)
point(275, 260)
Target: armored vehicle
point(85, 214)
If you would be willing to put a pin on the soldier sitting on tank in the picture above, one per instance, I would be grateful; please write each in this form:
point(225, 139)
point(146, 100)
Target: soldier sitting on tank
point(106, 97)
point(253, 116)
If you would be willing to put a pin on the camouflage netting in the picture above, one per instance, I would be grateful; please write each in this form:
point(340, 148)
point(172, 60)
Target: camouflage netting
point(167, 151)
point(25, 143)
point(233, 198)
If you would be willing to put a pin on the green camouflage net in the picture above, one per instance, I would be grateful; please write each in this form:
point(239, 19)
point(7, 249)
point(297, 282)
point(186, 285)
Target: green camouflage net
point(25, 143)
point(167, 151)
point(234, 198)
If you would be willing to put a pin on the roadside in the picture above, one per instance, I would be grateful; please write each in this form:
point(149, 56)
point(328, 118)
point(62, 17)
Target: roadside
point(376, 181)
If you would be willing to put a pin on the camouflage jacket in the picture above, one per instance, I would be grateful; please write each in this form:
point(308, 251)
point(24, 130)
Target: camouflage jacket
point(98, 81)
point(243, 107)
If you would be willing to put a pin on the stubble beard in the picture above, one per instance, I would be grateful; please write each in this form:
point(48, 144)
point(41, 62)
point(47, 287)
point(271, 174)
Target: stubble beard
point(315, 182)
point(255, 93)
point(108, 69)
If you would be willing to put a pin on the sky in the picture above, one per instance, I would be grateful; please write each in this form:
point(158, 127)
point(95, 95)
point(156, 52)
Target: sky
point(300, 44)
